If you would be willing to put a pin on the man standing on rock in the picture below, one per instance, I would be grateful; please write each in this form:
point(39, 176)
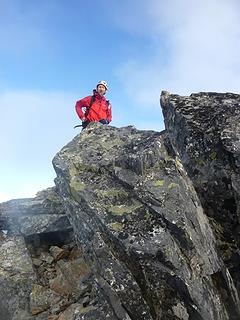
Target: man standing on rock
point(95, 107)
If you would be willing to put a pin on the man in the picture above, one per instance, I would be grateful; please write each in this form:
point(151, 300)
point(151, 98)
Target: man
point(95, 107)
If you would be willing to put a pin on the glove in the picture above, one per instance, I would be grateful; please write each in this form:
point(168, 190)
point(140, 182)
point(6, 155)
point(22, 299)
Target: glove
point(85, 124)
point(104, 121)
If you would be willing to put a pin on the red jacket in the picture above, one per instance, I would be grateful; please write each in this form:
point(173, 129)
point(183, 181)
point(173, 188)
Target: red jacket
point(100, 109)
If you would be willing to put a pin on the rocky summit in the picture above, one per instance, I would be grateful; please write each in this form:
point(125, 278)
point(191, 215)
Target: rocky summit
point(141, 225)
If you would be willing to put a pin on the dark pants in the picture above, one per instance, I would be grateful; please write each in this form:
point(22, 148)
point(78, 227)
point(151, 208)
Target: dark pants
point(86, 123)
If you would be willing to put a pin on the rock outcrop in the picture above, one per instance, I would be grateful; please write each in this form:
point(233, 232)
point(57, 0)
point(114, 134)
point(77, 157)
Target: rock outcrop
point(155, 216)
point(42, 272)
point(204, 130)
point(142, 228)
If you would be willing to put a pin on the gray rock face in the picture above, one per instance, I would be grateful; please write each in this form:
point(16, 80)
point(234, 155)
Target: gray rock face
point(204, 130)
point(16, 276)
point(42, 214)
point(141, 226)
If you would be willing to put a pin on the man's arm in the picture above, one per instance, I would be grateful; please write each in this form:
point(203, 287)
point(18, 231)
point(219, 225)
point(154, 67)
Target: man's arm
point(82, 106)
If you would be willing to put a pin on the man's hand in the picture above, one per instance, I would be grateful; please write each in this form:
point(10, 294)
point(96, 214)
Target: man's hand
point(104, 121)
point(85, 123)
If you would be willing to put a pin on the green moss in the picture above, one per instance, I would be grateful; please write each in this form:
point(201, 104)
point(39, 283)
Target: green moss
point(159, 183)
point(213, 155)
point(117, 226)
point(172, 185)
point(123, 209)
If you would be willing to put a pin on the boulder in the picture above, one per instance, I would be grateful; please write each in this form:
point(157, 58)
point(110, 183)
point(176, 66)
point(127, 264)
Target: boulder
point(141, 226)
point(204, 130)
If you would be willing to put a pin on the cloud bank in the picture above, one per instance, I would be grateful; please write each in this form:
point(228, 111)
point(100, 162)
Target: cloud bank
point(193, 46)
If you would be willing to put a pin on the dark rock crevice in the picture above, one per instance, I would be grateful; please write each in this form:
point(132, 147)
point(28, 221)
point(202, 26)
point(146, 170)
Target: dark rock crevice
point(221, 282)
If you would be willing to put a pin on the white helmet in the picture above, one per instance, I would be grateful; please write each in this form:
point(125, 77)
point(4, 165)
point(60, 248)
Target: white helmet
point(104, 83)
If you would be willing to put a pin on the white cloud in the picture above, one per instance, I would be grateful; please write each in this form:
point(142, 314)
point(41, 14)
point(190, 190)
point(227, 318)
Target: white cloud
point(34, 126)
point(29, 119)
point(194, 47)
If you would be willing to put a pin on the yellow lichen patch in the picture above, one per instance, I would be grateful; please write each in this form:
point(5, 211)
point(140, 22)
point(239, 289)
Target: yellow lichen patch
point(73, 171)
point(116, 226)
point(75, 187)
point(75, 183)
point(172, 185)
point(190, 188)
point(179, 164)
point(108, 144)
point(159, 183)
point(123, 209)
point(111, 194)
point(80, 167)
point(213, 155)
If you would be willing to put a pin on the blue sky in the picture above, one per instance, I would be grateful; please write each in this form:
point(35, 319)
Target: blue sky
point(53, 52)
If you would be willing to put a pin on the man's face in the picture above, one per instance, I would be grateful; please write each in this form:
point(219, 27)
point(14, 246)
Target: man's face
point(101, 89)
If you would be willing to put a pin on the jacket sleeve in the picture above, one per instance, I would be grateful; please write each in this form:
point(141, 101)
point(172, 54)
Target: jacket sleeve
point(109, 113)
point(82, 106)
